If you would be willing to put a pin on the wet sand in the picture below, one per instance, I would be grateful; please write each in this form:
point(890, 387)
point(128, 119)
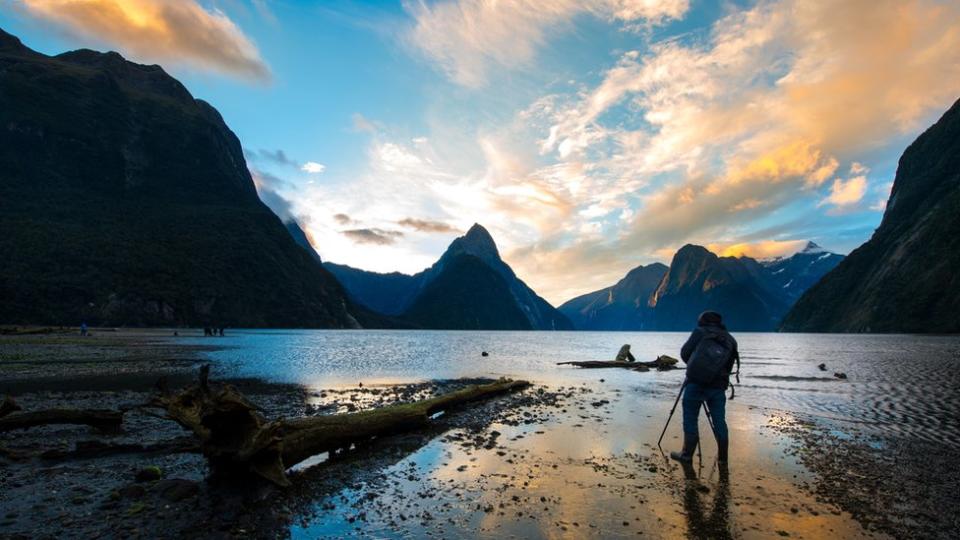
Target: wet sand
point(552, 462)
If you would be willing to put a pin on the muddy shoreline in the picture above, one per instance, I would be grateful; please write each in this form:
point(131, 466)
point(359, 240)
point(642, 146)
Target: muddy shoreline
point(897, 486)
point(552, 461)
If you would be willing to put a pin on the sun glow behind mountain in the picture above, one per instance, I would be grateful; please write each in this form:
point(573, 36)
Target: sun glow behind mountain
point(589, 137)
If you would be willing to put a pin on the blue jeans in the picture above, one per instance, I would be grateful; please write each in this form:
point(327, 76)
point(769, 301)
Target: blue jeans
point(716, 400)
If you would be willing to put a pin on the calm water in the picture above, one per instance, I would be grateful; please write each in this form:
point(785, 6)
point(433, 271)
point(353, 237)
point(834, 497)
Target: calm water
point(898, 385)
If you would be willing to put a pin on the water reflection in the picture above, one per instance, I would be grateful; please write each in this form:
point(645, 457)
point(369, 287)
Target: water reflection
point(572, 471)
point(707, 510)
point(898, 385)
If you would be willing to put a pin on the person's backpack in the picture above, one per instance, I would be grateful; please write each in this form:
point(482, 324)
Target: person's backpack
point(709, 360)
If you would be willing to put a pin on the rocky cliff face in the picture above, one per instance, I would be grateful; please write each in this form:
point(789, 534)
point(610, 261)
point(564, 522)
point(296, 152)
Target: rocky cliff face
point(698, 280)
point(301, 239)
point(396, 294)
point(623, 306)
point(125, 201)
point(905, 278)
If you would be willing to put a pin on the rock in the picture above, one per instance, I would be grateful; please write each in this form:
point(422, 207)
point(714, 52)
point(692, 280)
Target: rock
point(484, 353)
point(823, 367)
point(133, 491)
point(840, 375)
point(176, 489)
point(149, 474)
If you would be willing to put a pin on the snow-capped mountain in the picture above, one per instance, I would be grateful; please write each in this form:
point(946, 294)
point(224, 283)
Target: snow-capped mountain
point(797, 273)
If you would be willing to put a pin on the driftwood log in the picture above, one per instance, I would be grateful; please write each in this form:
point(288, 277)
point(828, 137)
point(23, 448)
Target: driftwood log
point(236, 438)
point(662, 363)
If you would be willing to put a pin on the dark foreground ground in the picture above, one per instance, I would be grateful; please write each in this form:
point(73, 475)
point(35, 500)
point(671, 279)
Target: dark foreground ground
point(553, 461)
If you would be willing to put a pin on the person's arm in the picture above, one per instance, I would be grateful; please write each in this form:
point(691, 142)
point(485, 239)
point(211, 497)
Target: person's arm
point(734, 357)
point(690, 345)
point(630, 357)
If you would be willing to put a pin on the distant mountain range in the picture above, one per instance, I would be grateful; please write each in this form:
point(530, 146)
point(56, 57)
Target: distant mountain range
point(469, 287)
point(125, 201)
point(751, 295)
point(906, 278)
point(622, 306)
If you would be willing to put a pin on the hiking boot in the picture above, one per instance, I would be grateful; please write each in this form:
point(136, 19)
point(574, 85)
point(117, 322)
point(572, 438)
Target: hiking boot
point(722, 450)
point(689, 446)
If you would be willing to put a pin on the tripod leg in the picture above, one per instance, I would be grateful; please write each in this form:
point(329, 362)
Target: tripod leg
point(699, 444)
point(710, 420)
point(672, 410)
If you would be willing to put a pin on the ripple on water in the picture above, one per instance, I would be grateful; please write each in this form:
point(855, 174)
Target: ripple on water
point(897, 385)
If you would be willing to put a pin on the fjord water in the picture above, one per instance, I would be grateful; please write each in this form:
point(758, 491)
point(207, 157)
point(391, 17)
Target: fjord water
point(897, 385)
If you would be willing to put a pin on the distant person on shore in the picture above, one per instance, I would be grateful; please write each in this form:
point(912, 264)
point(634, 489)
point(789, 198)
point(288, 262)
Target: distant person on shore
point(709, 353)
point(625, 355)
point(83, 328)
point(221, 331)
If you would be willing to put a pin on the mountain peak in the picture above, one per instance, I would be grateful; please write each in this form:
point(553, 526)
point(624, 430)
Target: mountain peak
point(812, 247)
point(478, 242)
point(691, 252)
point(9, 42)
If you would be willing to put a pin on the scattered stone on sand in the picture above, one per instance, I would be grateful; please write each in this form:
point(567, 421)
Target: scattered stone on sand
point(149, 474)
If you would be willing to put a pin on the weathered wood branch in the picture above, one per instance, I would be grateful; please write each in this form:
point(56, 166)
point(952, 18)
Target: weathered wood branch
point(662, 363)
point(235, 437)
point(97, 418)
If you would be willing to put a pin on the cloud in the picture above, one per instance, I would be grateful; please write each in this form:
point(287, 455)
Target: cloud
point(759, 250)
point(342, 219)
point(730, 137)
point(278, 157)
point(426, 225)
point(884, 195)
point(844, 193)
point(468, 38)
point(312, 167)
point(165, 31)
point(267, 186)
point(362, 124)
point(373, 236)
point(720, 133)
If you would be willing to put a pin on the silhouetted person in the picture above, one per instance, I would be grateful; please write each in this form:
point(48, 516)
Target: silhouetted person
point(709, 353)
point(221, 331)
point(83, 328)
point(625, 355)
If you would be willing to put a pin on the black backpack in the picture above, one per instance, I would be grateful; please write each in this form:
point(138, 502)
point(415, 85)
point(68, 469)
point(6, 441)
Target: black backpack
point(708, 363)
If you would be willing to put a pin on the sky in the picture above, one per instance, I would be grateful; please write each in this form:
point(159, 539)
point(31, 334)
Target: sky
point(588, 136)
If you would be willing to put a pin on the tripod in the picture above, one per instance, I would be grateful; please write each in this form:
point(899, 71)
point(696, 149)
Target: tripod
point(674, 408)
